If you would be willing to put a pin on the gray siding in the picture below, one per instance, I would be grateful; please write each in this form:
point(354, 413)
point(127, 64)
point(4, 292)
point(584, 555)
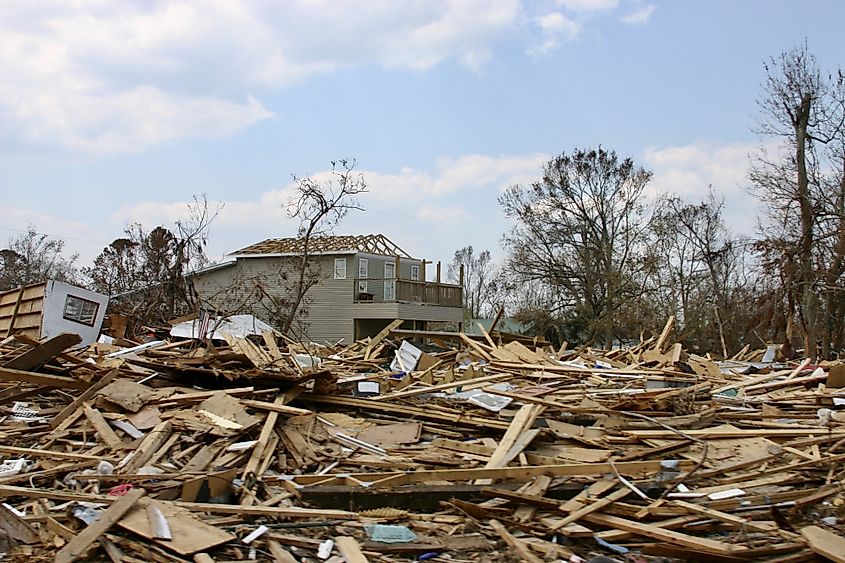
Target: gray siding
point(331, 307)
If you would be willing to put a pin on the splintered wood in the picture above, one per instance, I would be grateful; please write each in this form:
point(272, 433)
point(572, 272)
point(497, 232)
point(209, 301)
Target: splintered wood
point(478, 448)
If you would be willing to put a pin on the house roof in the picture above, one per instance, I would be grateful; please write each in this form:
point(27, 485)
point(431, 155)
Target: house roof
point(336, 244)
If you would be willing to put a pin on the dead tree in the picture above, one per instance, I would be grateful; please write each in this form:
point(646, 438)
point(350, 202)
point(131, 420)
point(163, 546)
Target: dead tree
point(319, 207)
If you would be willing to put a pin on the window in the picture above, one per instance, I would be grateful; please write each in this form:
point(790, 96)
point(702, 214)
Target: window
point(415, 272)
point(80, 310)
point(340, 268)
point(363, 274)
point(389, 281)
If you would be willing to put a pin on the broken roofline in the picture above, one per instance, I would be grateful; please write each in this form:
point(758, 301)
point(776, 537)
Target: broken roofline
point(283, 254)
point(376, 244)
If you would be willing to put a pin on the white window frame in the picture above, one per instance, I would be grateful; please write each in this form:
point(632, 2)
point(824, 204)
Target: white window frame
point(80, 310)
point(390, 281)
point(363, 272)
point(340, 272)
point(415, 272)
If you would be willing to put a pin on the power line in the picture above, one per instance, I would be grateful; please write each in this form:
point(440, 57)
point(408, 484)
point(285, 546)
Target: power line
point(63, 237)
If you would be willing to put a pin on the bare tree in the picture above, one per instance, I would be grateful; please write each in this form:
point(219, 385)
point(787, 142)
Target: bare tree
point(478, 272)
point(702, 264)
point(319, 207)
point(805, 108)
point(579, 230)
point(146, 271)
point(33, 257)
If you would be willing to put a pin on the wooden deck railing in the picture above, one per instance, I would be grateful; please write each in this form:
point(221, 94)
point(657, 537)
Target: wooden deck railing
point(380, 290)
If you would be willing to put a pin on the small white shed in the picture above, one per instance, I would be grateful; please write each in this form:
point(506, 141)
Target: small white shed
point(46, 309)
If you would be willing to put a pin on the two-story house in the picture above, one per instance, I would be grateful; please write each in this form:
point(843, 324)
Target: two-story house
point(360, 285)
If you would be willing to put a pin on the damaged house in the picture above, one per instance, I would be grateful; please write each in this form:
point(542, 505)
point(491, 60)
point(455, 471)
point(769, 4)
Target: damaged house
point(357, 285)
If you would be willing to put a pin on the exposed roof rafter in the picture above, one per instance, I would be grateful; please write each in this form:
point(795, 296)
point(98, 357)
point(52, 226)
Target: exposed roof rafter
point(372, 244)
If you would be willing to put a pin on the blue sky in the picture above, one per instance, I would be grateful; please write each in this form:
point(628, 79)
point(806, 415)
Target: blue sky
point(116, 111)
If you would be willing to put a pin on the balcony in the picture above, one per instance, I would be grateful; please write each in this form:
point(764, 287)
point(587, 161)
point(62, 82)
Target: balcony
point(378, 290)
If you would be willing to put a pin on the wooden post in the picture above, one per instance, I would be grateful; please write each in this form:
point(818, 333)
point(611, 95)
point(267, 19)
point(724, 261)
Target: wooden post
point(438, 271)
point(398, 273)
point(422, 271)
point(15, 312)
point(461, 276)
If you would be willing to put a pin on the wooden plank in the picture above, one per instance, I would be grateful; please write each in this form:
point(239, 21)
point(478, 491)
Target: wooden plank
point(595, 489)
point(8, 374)
point(86, 395)
point(456, 418)
point(594, 506)
point(189, 534)
point(718, 434)
point(825, 543)
point(664, 334)
point(16, 527)
point(505, 451)
point(76, 548)
point(515, 543)
point(15, 310)
point(374, 341)
point(700, 545)
point(350, 550)
point(442, 386)
point(249, 470)
point(280, 554)
point(147, 448)
point(733, 519)
point(50, 454)
point(30, 492)
point(476, 347)
point(523, 473)
point(102, 427)
point(277, 407)
point(44, 352)
point(277, 511)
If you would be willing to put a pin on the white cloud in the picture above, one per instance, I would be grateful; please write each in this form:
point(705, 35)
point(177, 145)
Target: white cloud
point(111, 76)
point(440, 215)
point(589, 5)
point(555, 27)
point(641, 16)
point(689, 170)
point(432, 212)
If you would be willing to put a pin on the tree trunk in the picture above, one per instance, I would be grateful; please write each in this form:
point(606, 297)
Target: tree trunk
point(809, 300)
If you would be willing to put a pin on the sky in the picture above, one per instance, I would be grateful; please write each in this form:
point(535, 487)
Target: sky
point(116, 111)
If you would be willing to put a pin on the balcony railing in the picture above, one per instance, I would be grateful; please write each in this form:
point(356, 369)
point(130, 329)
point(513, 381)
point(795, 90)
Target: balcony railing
point(378, 290)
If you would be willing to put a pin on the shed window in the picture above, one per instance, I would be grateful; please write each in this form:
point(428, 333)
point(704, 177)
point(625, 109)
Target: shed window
point(340, 268)
point(80, 310)
point(415, 272)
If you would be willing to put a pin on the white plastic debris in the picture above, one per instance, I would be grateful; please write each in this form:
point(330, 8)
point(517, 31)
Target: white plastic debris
point(823, 416)
point(21, 411)
point(158, 523)
point(406, 358)
point(12, 467)
point(325, 549)
point(127, 427)
point(257, 533)
point(307, 361)
point(139, 348)
point(722, 495)
point(367, 389)
point(105, 468)
point(15, 510)
point(241, 446)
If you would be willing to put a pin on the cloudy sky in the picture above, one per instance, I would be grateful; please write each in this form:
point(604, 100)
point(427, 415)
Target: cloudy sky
point(120, 111)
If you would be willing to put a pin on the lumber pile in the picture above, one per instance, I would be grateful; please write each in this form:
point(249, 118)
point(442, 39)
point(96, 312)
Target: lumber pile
point(485, 449)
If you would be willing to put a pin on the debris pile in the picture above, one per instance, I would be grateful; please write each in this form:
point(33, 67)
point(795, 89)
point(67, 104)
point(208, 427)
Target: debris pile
point(481, 448)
